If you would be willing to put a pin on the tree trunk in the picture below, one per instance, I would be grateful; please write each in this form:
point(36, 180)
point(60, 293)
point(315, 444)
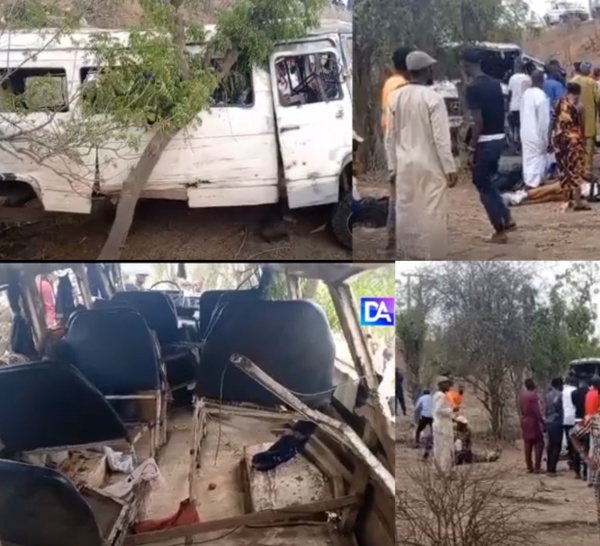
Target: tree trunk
point(132, 189)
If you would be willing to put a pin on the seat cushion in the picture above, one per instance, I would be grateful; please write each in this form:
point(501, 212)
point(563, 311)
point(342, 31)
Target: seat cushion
point(158, 311)
point(289, 340)
point(39, 506)
point(114, 349)
point(50, 404)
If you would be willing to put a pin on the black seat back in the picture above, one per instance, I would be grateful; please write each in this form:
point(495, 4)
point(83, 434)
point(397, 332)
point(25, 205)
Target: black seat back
point(213, 301)
point(40, 507)
point(114, 349)
point(158, 311)
point(49, 404)
point(289, 340)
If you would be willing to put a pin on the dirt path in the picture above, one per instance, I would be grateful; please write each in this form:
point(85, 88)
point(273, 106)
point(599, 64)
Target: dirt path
point(543, 232)
point(559, 510)
point(167, 230)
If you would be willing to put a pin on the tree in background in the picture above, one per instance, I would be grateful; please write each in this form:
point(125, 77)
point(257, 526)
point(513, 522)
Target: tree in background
point(381, 26)
point(492, 324)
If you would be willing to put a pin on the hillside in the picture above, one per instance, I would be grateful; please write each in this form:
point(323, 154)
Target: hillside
point(567, 43)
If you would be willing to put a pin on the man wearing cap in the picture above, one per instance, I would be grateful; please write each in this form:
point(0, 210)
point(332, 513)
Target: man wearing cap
point(485, 100)
point(419, 153)
point(443, 426)
point(589, 101)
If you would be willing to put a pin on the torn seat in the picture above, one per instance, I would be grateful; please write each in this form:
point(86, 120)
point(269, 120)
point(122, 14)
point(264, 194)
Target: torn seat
point(115, 351)
point(50, 405)
point(158, 310)
point(41, 507)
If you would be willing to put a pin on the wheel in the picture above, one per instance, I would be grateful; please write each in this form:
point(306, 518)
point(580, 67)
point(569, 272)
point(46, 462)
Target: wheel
point(341, 218)
point(371, 212)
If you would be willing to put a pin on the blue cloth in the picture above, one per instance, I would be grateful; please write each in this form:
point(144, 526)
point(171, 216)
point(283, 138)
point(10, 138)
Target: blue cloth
point(423, 406)
point(554, 90)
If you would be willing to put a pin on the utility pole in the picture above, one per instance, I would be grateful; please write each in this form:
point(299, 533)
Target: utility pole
point(409, 277)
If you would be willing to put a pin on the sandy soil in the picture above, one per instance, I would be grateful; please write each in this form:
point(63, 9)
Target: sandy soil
point(169, 230)
point(543, 232)
point(558, 510)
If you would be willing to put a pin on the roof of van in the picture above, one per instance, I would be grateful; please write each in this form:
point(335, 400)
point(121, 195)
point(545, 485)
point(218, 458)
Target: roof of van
point(581, 361)
point(49, 39)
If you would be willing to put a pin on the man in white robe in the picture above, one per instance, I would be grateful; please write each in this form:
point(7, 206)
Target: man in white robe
point(420, 161)
point(443, 427)
point(535, 131)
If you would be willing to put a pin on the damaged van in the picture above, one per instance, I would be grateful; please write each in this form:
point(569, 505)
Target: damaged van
point(144, 417)
point(276, 133)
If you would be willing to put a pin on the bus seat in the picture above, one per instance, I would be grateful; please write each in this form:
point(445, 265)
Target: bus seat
point(158, 311)
point(50, 404)
point(290, 340)
point(114, 349)
point(214, 300)
point(39, 506)
point(117, 352)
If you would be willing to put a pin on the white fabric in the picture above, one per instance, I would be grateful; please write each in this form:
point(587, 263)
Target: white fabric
point(535, 128)
point(419, 151)
point(490, 138)
point(517, 85)
point(443, 432)
point(568, 406)
point(148, 471)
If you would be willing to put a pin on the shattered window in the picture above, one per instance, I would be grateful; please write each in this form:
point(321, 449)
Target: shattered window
point(308, 79)
point(34, 90)
point(236, 88)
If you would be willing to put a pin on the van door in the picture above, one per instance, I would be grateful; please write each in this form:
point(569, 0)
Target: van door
point(313, 111)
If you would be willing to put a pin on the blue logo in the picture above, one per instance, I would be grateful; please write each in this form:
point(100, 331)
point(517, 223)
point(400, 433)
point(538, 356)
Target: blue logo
point(377, 311)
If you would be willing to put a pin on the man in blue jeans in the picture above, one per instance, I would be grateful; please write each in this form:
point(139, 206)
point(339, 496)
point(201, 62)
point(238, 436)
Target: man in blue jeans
point(487, 139)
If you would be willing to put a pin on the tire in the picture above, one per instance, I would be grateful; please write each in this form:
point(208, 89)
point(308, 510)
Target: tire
point(373, 212)
point(341, 218)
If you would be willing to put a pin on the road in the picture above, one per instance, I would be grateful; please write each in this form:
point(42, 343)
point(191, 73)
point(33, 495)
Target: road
point(168, 230)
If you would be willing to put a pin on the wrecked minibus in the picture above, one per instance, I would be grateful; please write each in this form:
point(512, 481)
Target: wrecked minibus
point(273, 134)
point(109, 442)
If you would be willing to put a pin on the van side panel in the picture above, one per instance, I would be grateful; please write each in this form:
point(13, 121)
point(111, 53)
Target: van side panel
point(232, 148)
point(63, 183)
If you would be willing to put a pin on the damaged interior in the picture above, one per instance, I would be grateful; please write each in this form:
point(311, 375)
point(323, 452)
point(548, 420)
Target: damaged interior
point(141, 420)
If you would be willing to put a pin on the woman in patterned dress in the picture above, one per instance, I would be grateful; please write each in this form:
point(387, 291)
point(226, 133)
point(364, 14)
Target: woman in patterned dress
point(590, 428)
point(569, 147)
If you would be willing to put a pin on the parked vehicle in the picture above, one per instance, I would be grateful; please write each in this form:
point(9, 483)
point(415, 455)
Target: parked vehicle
point(260, 143)
point(585, 368)
point(563, 12)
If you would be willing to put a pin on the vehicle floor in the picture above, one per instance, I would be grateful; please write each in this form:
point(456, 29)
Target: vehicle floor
point(219, 489)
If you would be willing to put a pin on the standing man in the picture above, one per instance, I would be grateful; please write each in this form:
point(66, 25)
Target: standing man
point(423, 414)
point(578, 399)
point(419, 152)
point(400, 391)
point(589, 101)
point(518, 83)
point(535, 131)
point(592, 408)
point(486, 103)
point(443, 427)
point(532, 427)
point(554, 415)
point(569, 418)
point(456, 397)
point(395, 81)
point(554, 85)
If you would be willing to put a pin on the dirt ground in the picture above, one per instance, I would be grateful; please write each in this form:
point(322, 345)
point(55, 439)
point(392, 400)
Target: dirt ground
point(558, 510)
point(543, 232)
point(169, 230)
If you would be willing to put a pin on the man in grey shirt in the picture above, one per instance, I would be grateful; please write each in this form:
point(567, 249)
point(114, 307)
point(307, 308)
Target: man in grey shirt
point(554, 419)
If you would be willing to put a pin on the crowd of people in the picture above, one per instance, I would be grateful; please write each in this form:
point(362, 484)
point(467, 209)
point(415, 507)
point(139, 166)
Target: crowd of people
point(552, 120)
point(443, 432)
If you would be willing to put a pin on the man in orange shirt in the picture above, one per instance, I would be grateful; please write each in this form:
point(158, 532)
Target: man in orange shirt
point(592, 407)
point(456, 397)
point(395, 81)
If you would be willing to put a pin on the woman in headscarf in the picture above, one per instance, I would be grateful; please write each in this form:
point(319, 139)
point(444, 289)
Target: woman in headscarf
point(569, 146)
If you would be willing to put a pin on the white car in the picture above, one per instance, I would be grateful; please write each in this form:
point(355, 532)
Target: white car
point(561, 12)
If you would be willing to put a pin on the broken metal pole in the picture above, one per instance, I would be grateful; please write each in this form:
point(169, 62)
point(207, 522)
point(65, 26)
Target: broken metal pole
point(339, 431)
